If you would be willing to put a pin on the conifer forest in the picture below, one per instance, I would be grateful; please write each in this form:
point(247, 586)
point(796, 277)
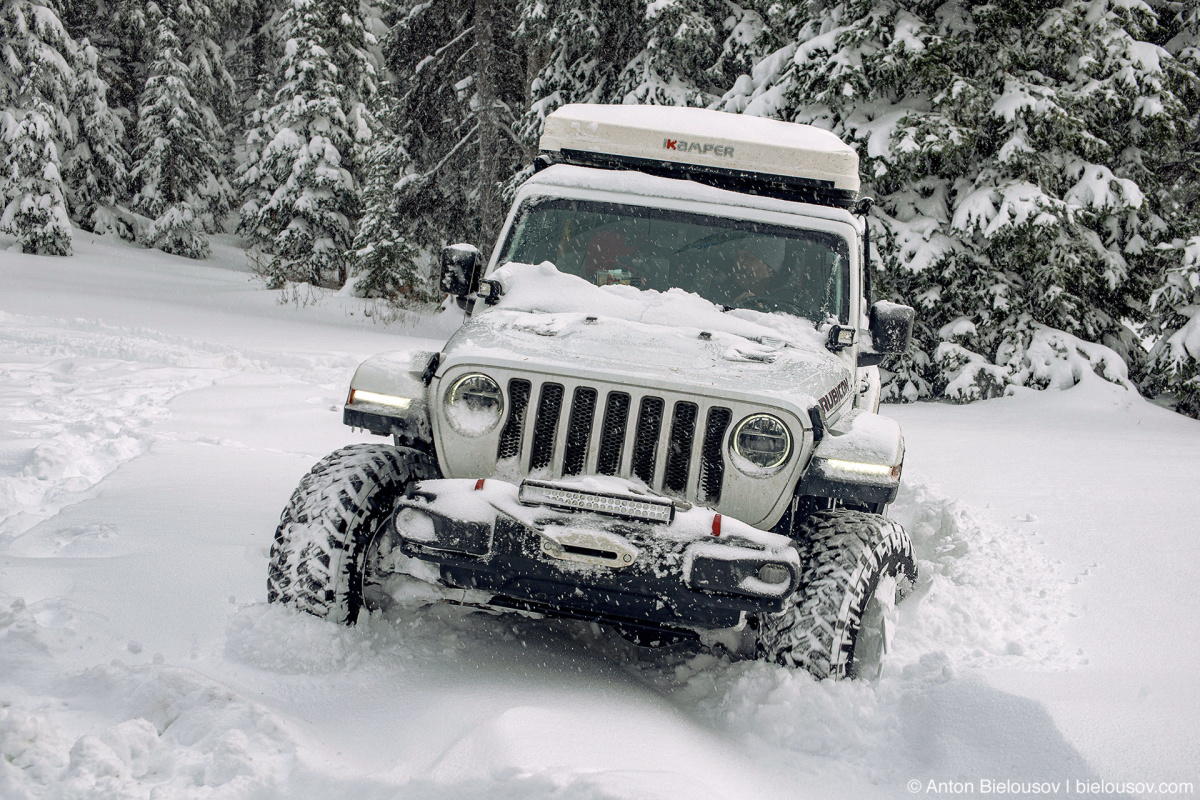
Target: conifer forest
point(1035, 165)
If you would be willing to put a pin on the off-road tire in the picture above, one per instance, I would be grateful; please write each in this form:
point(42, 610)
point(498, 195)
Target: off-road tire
point(317, 559)
point(844, 556)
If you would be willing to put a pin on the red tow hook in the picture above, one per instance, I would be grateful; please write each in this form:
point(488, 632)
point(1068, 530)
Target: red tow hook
point(479, 484)
point(716, 524)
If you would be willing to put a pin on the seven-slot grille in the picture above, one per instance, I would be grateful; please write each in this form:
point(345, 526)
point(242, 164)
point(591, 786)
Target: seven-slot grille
point(674, 445)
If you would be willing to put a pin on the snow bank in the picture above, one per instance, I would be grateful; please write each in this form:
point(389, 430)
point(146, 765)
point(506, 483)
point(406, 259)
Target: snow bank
point(1035, 356)
point(181, 735)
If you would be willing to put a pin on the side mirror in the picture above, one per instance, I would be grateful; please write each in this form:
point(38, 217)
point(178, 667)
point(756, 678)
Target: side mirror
point(460, 269)
point(891, 326)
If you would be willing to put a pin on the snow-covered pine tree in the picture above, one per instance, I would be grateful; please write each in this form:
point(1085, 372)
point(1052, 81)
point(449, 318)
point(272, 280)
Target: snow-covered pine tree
point(436, 188)
point(177, 162)
point(201, 26)
point(96, 168)
point(36, 211)
point(317, 125)
point(384, 259)
point(1175, 366)
point(35, 81)
point(684, 41)
point(256, 67)
point(577, 52)
point(121, 35)
point(680, 52)
point(1011, 146)
point(1175, 360)
point(748, 41)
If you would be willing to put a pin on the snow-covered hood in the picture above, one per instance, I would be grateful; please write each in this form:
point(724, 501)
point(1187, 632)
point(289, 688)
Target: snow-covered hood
point(552, 322)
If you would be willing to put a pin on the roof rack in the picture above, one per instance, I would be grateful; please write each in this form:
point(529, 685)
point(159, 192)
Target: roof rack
point(783, 187)
point(730, 151)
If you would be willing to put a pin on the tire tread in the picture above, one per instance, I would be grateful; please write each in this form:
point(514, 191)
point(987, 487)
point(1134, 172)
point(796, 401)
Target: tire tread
point(332, 516)
point(844, 554)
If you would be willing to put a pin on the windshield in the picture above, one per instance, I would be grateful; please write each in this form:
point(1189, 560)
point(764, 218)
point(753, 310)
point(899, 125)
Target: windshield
point(730, 262)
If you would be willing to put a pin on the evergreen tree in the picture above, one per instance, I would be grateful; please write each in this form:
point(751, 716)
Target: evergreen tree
point(36, 211)
point(96, 168)
point(318, 125)
point(385, 260)
point(177, 169)
point(1175, 359)
point(257, 69)
point(35, 81)
point(200, 25)
point(579, 49)
point(747, 43)
point(683, 45)
point(454, 100)
point(1013, 148)
point(122, 35)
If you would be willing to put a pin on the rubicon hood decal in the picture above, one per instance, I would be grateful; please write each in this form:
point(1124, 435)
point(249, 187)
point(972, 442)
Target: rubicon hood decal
point(835, 396)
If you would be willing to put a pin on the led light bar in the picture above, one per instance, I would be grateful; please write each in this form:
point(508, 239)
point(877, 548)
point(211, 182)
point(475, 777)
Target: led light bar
point(860, 468)
point(646, 509)
point(363, 396)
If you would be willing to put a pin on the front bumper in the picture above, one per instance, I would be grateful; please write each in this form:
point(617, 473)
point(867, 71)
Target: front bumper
point(696, 572)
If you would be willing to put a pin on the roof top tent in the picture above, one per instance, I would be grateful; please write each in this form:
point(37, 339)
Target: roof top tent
point(733, 151)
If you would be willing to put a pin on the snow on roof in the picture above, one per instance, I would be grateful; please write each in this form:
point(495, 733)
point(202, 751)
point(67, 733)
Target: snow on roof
point(716, 139)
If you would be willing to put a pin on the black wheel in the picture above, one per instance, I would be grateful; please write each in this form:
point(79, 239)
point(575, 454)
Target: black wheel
point(320, 556)
point(856, 567)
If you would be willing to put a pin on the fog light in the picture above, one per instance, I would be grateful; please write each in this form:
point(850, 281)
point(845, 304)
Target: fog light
point(415, 525)
point(358, 396)
point(773, 574)
point(438, 532)
point(857, 468)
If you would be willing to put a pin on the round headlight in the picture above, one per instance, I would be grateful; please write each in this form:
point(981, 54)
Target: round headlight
point(474, 404)
point(762, 440)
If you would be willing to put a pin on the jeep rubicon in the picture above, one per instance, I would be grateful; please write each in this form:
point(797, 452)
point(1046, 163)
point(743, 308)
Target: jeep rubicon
point(659, 413)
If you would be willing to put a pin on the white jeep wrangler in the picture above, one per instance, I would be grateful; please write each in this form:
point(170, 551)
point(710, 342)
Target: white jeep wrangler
point(659, 414)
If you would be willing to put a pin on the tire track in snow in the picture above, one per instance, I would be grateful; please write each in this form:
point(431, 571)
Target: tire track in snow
point(78, 398)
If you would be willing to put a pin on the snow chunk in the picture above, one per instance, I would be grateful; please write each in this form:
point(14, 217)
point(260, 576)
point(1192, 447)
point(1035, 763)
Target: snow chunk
point(1058, 360)
point(1098, 188)
point(1021, 203)
point(1020, 96)
point(282, 639)
point(959, 327)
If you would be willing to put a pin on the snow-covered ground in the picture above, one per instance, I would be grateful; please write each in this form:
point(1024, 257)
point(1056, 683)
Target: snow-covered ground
point(156, 413)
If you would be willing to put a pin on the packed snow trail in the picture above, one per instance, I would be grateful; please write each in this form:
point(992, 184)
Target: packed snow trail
point(155, 415)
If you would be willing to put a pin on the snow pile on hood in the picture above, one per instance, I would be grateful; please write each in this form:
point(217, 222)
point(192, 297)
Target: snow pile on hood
point(542, 289)
point(565, 325)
